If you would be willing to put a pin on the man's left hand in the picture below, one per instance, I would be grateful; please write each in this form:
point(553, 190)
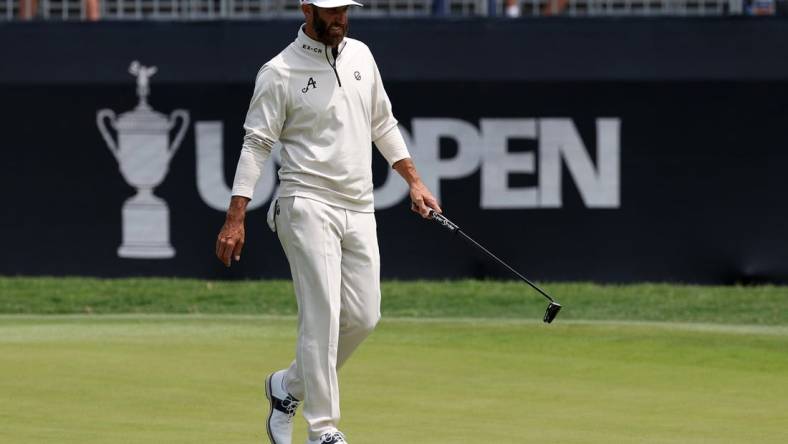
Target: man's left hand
point(422, 200)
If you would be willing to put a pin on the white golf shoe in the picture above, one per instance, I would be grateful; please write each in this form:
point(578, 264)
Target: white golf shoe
point(335, 437)
point(283, 408)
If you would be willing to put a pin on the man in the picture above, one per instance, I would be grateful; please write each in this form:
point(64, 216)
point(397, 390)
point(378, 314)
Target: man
point(323, 99)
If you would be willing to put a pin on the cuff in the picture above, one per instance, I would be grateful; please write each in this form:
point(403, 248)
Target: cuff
point(392, 146)
point(250, 167)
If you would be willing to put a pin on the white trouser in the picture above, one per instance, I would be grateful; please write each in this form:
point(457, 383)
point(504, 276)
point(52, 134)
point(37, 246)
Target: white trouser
point(335, 264)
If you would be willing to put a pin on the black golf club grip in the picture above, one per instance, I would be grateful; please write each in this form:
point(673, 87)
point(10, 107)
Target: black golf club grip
point(443, 220)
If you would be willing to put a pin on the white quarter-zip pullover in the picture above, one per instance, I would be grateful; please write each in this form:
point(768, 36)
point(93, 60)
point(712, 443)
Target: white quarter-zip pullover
point(326, 108)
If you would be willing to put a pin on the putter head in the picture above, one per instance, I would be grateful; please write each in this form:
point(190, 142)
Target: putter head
point(551, 312)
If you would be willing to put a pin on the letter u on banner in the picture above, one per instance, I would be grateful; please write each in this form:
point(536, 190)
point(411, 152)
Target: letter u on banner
point(211, 183)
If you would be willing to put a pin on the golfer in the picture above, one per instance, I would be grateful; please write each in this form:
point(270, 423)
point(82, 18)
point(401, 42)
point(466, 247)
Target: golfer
point(322, 97)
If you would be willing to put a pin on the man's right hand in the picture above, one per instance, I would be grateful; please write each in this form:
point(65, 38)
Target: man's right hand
point(230, 241)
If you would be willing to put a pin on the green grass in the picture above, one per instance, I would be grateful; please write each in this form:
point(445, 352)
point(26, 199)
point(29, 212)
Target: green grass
point(182, 361)
point(186, 379)
point(763, 305)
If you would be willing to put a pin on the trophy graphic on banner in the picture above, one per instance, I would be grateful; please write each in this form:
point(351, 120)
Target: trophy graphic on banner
point(143, 151)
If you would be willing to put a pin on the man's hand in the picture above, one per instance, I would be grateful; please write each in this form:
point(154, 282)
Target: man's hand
point(421, 199)
point(230, 241)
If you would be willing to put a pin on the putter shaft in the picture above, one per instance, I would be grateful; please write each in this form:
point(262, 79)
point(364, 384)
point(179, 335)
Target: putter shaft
point(451, 226)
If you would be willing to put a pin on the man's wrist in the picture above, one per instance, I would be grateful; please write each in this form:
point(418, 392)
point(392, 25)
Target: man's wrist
point(235, 216)
point(407, 170)
point(236, 212)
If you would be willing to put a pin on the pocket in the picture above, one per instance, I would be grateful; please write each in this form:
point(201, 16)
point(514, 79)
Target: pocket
point(273, 212)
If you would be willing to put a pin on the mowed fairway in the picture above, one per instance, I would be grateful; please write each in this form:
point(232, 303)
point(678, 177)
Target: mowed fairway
point(198, 379)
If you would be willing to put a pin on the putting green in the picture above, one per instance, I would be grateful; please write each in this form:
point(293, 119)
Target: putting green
point(198, 379)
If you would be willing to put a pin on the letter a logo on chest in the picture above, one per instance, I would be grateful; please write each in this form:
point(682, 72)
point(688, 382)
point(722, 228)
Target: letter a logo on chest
point(311, 83)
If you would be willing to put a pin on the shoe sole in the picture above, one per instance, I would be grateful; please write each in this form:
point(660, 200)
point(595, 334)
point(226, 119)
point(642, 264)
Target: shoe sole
point(270, 408)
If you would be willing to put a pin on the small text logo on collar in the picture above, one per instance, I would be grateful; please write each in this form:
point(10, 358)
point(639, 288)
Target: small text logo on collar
point(312, 48)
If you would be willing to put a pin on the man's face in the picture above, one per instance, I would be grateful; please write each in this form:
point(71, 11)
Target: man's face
point(330, 24)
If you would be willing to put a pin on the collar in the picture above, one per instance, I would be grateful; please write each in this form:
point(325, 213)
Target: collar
point(313, 48)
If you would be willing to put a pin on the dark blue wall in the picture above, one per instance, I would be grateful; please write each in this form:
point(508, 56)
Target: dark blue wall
point(733, 49)
point(693, 112)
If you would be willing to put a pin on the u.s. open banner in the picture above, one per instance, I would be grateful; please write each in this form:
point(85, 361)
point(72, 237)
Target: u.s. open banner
point(576, 150)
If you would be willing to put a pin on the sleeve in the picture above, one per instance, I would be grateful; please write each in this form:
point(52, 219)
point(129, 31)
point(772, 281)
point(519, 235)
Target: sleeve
point(392, 146)
point(382, 118)
point(263, 125)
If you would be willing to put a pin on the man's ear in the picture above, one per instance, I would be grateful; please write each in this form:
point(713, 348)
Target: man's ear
point(307, 10)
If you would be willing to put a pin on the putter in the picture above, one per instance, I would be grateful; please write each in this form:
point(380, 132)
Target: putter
point(552, 309)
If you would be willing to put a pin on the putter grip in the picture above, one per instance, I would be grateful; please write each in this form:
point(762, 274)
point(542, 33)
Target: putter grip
point(441, 219)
